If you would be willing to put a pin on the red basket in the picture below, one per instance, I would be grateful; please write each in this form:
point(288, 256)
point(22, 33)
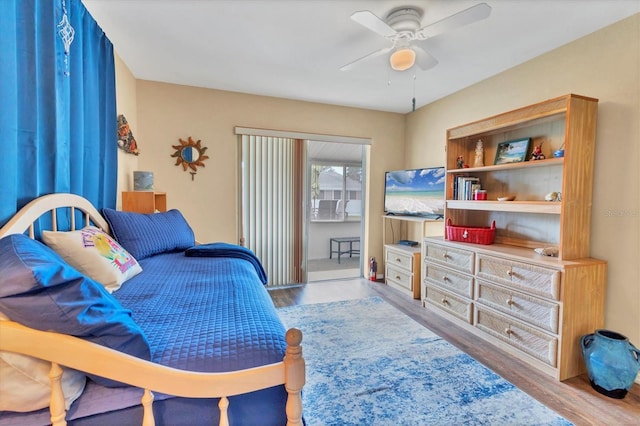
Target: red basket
point(470, 234)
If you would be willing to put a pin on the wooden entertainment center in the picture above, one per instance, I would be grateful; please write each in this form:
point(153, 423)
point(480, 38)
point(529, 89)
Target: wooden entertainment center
point(534, 306)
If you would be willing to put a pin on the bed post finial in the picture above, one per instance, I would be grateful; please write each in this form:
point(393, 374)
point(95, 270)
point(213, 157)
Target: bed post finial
point(294, 376)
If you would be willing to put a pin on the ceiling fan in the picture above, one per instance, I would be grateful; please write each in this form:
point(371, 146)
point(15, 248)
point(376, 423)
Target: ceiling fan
point(402, 27)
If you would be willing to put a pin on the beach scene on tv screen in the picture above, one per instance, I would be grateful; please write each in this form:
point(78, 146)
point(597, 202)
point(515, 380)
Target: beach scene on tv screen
point(415, 192)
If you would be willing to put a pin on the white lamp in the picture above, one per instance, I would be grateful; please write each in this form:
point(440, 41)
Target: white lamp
point(402, 59)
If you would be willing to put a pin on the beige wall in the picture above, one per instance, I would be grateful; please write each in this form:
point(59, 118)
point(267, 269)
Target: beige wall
point(604, 65)
point(126, 104)
point(167, 112)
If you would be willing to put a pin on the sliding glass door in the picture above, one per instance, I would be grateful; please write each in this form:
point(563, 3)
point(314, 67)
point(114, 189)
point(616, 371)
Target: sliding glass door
point(335, 210)
point(298, 197)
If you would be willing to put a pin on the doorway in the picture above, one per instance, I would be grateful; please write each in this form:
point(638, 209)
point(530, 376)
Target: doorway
point(335, 196)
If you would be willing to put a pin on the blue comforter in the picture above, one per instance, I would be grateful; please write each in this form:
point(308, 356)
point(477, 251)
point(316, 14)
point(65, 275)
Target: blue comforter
point(228, 250)
point(206, 314)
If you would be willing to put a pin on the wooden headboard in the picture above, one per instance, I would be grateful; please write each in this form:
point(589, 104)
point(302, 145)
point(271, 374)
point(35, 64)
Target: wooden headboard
point(24, 219)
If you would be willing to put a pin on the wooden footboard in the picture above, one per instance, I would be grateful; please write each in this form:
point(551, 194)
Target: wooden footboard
point(79, 354)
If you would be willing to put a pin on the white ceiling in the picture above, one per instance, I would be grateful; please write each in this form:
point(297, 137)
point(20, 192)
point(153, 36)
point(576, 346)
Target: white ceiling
point(294, 48)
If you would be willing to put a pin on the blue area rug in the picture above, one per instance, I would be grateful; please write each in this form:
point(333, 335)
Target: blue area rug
point(369, 364)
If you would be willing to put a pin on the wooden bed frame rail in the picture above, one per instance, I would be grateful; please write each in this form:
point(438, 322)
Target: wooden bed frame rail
point(95, 359)
point(82, 355)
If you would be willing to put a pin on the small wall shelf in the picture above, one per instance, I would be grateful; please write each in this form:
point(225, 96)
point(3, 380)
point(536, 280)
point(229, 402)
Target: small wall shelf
point(144, 201)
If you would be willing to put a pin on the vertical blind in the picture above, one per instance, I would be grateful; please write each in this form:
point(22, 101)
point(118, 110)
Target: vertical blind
point(270, 204)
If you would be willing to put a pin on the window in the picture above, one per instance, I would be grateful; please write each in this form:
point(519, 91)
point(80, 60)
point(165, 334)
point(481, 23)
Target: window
point(336, 192)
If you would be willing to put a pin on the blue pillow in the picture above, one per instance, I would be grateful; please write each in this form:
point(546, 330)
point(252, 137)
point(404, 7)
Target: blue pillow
point(144, 235)
point(40, 290)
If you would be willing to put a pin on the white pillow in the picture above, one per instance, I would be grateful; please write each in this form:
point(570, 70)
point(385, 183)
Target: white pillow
point(95, 254)
point(24, 382)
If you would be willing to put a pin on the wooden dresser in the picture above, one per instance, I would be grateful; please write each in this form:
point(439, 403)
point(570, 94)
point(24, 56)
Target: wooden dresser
point(535, 308)
point(402, 268)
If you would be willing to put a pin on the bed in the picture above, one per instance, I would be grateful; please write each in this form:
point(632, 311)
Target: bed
point(202, 344)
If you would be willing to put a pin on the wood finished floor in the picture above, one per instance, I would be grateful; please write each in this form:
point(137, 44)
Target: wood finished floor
point(574, 398)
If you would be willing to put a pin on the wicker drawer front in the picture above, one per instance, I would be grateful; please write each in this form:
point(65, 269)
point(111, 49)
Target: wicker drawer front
point(400, 259)
point(448, 302)
point(544, 282)
point(399, 276)
point(459, 259)
point(527, 339)
point(448, 279)
point(536, 311)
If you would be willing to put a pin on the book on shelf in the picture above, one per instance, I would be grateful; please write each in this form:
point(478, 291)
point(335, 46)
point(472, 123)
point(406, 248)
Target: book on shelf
point(463, 187)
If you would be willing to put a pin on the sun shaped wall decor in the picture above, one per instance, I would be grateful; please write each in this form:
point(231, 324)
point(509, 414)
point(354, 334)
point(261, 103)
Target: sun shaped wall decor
point(190, 155)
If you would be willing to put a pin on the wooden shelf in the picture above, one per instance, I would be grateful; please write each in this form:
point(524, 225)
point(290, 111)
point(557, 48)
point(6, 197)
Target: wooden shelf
point(418, 219)
point(510, 166)
point(550, 125)
point(541, 112)
point(429, 226)
point(543, 207)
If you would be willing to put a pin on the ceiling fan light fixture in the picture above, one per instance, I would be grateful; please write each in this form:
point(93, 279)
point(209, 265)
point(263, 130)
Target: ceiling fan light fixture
point(402, 59)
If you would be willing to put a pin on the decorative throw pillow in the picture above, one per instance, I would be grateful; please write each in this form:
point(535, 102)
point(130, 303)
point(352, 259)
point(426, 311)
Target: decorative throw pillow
point(145, 235)
point(95, 254)
point(24, 382)
point(40, 290)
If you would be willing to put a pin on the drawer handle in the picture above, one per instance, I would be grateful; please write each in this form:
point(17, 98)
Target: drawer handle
point(445, 278)
point(445, 256)
point(397, 277)
point(398, 259)
point(510, 302)
point(444, 301)
point(510, 273)
point(508, 331)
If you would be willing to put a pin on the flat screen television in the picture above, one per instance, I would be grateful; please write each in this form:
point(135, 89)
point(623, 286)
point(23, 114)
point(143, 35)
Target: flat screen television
point(415, 192)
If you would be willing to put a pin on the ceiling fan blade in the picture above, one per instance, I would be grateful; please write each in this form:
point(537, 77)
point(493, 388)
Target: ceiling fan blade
point(462, 18)
point(365, 58)
point(424, 59)
point(372, 22)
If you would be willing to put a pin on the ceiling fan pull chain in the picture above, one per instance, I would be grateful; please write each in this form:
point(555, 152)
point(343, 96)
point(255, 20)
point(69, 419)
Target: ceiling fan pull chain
point(413, 101)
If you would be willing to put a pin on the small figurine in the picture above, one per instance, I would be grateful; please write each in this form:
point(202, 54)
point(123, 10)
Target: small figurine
point(537, 153)
point(479, 159)
point(460, 162)
point(553, 196)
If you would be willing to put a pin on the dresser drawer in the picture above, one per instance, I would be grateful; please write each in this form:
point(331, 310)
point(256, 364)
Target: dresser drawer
point(459, 259)
point(449, 279)
point(529, 278)
point(527, 339)
point(448, 302)
point(530, 309)
point(399, 259)
point(399, 277)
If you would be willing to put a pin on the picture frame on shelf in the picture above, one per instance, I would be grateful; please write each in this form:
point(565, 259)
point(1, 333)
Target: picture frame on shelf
point(514, 151)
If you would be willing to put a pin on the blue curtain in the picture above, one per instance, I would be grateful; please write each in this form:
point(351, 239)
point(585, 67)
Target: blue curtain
point(57, 105)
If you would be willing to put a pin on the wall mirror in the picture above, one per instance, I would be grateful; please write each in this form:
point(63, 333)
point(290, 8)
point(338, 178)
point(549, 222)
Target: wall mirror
point(190, 155)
